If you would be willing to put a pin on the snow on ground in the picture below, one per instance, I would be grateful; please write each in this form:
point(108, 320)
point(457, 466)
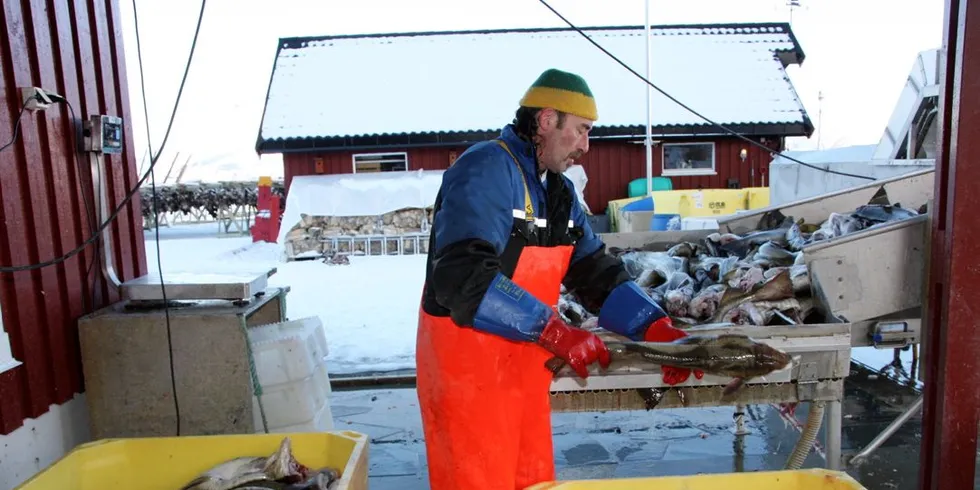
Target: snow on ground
point(369, 308)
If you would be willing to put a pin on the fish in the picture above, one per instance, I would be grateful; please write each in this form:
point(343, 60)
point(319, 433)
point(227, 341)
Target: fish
point(280, 467)
point(731, 355)
point(677, 293)
point(713, 242)
point(767, 309)
point(799, 274)
point(572, 311)
point(683, 249)
point(325, 479)
point(706, 302)
point(745, 277)
point(775, 255)
point(883, 213)
point(652, 268)
point(709, 270)
point(742, 246)
point(777, 288)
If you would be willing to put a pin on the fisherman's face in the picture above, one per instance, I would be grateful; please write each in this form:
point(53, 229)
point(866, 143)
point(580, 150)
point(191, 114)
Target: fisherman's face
point(561, 142)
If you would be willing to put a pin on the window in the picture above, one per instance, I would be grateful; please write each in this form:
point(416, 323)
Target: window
point(689, 159)
point(380, 162)
point(7, 361)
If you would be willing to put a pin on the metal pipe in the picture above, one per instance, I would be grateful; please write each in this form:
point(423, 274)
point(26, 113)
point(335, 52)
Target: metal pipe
point(97, 162)
point(835, 422)
point(649, 137)
point(739, 416)
point(888, 432)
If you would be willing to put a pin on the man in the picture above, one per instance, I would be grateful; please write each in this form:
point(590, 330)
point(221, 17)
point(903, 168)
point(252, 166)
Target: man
point(507, 233)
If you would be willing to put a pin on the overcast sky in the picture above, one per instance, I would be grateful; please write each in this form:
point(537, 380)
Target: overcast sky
point(858, 54)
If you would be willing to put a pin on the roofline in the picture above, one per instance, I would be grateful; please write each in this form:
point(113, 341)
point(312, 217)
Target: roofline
point(463, 138)
point(798, 50)
point(265, 104)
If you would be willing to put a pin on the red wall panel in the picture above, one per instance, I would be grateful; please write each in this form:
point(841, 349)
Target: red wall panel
point(610, 166)
point(74, 49)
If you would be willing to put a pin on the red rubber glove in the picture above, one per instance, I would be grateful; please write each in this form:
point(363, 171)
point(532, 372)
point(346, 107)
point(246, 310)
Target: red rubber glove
point(577, 347)
point(663, 330)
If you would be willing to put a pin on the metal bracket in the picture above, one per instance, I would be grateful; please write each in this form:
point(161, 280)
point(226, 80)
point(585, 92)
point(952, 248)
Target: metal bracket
point(893, 335)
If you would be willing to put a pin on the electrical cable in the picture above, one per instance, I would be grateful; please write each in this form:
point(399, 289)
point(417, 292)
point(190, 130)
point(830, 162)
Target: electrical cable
point(692, 111)
point(13, 137)
point(153, 161)
point(116, 212)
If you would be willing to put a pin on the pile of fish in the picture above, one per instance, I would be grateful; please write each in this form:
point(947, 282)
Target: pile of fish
point(280, 471)
point(755, 279)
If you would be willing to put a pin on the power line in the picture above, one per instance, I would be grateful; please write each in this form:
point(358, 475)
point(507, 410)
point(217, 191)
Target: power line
point(153, 181)
point(692, 111)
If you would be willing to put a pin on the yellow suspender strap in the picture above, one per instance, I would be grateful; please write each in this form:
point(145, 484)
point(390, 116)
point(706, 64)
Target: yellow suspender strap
point(528, 207)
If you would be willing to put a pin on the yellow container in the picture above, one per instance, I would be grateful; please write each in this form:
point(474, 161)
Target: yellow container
point(758, 197)
point(713, 202)
point(613, 211)
point(168, 463)
point(816, 479)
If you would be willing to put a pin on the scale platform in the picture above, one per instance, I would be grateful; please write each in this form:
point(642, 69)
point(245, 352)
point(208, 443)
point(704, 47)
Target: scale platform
point(237, 287)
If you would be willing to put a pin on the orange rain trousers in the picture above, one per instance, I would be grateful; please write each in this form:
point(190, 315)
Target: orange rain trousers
point(486, 411)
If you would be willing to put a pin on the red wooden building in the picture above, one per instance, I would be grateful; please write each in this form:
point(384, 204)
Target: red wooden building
point(75, 50)
point(409, 101)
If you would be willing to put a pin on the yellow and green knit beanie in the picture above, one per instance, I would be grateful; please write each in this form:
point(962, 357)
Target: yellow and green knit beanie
point(562, 91)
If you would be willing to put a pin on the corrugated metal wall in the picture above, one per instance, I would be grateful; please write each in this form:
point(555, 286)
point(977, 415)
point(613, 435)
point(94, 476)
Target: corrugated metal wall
point(73, 49)
point(610, 166)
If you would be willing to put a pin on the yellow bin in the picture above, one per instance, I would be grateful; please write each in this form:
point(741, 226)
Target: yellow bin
point(815, 479)
point(168, 463)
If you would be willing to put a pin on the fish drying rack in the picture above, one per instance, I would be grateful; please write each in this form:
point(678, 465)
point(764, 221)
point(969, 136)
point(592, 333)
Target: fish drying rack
point(868, 287)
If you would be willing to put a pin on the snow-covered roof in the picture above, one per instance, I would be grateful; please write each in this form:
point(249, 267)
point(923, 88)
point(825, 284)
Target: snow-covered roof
point(425, 88)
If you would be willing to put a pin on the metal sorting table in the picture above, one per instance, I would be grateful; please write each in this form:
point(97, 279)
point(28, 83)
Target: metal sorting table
point(867, 287)
point(821, 361)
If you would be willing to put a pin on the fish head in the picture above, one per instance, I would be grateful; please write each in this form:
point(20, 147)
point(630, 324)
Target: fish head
point(768, 358)
point(283, 466)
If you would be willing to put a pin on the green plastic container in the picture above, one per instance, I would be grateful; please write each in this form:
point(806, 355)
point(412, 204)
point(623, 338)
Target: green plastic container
point(638, 187)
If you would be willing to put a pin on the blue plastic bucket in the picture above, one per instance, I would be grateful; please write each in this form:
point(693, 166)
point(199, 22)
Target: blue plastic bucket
point(659, 222)
point(639, 205)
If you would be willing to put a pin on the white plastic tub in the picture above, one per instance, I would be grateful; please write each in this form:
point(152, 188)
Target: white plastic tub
point(294, 402)
point(288, 351)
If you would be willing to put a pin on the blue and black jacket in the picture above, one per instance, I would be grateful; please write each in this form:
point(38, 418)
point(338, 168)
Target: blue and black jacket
point(479, 230)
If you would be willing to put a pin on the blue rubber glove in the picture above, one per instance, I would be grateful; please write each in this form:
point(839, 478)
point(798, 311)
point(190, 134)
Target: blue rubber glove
point(630, 312)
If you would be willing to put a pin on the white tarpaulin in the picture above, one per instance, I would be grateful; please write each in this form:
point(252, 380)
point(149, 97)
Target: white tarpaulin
point(374, 194)
point(366, 194)
point(576, 173)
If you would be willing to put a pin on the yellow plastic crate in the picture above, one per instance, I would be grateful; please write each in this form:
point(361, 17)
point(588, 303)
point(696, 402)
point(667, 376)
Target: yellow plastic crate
point(815, 479)
point(168, 463)
point(713, 202)
point(758, 197)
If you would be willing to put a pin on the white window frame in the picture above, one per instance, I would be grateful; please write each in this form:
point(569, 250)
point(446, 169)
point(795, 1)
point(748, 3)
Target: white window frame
point(354, 157)
point(7, 361)
point(694, 171)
